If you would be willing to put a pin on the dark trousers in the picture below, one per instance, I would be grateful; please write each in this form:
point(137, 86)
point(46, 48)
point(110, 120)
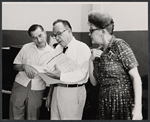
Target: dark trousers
point(24, 102)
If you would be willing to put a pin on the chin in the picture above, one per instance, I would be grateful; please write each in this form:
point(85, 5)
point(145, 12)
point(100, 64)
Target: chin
point(63, 45)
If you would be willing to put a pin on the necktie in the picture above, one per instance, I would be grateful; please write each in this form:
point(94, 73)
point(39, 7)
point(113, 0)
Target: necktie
point(64, 49)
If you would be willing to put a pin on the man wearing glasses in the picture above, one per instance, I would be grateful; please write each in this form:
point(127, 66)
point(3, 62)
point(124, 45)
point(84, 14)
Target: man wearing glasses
point(67, 100)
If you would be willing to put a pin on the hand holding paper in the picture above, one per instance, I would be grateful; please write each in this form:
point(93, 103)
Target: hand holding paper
point(54, 74)
point(29, 70)
point(39, 69)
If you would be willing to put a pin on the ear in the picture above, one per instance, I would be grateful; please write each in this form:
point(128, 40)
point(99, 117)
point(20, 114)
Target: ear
point(45, 32)
point(69, 30)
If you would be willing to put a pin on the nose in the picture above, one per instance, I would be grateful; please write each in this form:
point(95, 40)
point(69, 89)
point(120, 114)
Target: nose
point(57, 37)
point(38, 40)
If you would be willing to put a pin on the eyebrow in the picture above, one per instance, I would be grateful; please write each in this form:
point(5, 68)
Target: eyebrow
point(37, 36)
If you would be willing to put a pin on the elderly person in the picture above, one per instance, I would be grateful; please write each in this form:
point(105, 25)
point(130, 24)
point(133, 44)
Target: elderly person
point(114, 67)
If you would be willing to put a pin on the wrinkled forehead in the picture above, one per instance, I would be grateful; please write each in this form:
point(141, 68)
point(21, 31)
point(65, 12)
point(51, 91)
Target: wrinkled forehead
point(58, 27)
point(36, 32)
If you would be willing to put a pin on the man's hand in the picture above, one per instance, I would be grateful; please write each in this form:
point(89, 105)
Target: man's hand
point(29, 70)
point(49, 97)
point(54, 74)
point(48, 102)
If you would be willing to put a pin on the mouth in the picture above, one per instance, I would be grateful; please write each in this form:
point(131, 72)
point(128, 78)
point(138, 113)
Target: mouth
point(39, 43)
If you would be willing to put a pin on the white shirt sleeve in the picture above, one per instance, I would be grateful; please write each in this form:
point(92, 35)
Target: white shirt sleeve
point(19, 58)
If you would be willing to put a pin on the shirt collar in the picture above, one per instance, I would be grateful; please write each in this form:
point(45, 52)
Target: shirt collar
point(46, 47)
point(71, 43)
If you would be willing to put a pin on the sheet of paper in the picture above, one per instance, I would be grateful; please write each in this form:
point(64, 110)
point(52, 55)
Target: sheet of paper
point(64, 63)
point(40, 69)
point(49, 80)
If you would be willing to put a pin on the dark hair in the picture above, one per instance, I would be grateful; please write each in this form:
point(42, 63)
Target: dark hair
point(34, 27)
point(64, 22)
point(101, 20)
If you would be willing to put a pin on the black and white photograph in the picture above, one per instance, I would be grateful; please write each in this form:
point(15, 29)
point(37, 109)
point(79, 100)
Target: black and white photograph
point(74, 61)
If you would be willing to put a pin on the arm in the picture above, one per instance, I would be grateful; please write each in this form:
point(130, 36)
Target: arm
point(95, 53)
point(49, 97)
point(19, 67)
point(92, 78)
point(137, 110)
point(29, 70)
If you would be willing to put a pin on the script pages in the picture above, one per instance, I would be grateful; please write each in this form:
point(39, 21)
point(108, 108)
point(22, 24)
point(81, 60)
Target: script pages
point(64, 64)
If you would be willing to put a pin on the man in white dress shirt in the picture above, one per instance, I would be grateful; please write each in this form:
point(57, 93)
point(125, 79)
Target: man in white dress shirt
point(67, 100)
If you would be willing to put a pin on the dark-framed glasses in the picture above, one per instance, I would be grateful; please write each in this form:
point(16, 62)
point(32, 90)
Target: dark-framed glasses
point(92, 30)
point(58, 34)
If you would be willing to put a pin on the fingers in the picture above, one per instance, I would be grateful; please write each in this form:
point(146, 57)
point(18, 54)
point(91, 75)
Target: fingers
point(30, 74)
point(56, 67)
point(49, 74)
point(45, 70)
point(47, 104)
point(96, 52)
point(30, 71)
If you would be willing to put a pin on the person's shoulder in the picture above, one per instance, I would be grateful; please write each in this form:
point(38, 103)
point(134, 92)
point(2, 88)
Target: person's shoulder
point(82, 44)
point(120, 43)
point(29, 44)
point(82, 47)
point(118, 40)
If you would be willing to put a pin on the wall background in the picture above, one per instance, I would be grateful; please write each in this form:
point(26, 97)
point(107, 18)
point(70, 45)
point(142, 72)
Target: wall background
point(131, 22)
point(20, 15)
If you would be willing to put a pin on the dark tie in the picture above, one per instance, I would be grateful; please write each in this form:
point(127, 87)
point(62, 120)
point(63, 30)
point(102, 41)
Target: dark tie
point(64, 49)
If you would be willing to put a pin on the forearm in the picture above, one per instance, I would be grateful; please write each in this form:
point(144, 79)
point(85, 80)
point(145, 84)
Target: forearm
point(19, 67)
point(137, 109)
point(137, 85)
point(51, 90)
point(92, 78)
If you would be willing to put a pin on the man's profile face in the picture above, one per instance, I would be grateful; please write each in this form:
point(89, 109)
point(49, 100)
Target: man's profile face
point(61, 34)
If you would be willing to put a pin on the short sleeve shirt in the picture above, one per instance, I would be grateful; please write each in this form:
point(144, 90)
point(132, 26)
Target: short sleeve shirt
point(29, 54)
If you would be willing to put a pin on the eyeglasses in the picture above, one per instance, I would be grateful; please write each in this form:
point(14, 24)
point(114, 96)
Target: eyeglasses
point(92, 30)
point(58, 34)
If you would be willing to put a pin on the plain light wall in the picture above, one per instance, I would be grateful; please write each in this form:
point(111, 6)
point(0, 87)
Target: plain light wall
point(21, 15)
point(127, 16)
